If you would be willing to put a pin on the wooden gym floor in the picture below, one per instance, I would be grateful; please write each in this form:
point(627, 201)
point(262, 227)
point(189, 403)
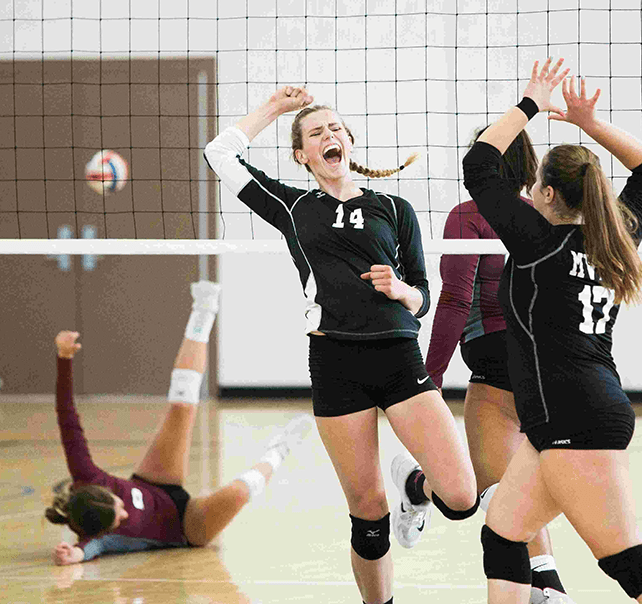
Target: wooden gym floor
point(291, 545)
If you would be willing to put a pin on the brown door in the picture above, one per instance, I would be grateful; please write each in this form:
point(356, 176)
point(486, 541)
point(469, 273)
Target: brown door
point(130, 310)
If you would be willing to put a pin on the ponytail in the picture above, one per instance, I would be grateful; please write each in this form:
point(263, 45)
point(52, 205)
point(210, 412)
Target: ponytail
point(607, 228)
point(58, 512)
point(575, 172)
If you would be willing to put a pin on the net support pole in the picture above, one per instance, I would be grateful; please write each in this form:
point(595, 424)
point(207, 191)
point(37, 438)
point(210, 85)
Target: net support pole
point(203, 274)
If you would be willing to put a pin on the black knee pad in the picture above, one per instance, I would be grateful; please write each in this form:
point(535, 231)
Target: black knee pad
point(371, 538)
point(626, 569)
point(453, 514)
point(504, 559)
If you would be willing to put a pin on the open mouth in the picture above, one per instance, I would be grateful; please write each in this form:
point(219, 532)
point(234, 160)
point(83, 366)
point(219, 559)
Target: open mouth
point(332, 154)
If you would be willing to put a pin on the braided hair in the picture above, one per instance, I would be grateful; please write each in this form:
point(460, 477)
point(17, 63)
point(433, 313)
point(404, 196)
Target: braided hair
point(297, 143)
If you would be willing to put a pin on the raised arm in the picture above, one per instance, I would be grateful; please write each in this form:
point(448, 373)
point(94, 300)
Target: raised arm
point(288, 98)
point(79, 462)
point(537, 97)
point(580, 111)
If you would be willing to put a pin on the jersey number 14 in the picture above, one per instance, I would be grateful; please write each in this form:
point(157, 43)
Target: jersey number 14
point(356, 218)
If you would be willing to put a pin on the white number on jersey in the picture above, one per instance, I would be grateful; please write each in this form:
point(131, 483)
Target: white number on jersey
point(137, 499)
point(338, 223)
point(356, 218)
point(591, 296)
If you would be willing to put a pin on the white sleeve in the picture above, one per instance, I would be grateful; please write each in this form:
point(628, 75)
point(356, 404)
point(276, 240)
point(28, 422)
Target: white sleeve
point(221, 156)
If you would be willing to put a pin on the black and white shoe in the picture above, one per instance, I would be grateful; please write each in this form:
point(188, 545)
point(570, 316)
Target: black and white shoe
point(408, 520)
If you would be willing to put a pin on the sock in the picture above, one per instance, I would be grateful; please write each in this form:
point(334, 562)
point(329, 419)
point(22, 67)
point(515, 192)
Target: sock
point(275, 456)
point(544, 573)
point(255, 482)
point(199, 325)
point(415, 487)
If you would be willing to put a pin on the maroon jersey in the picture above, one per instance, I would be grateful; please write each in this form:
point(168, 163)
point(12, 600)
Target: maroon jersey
point(153, 517)
point(468, 306)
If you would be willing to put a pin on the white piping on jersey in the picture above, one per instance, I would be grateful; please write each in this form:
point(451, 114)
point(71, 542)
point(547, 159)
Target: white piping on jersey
point(297, 201)
point(310, 289)
point(529, 329)
point(227, 147)
point(549, 255)
point(371, 333)
point(394, 211)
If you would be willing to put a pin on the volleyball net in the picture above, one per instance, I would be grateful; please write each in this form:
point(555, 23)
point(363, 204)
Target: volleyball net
point(155, 81)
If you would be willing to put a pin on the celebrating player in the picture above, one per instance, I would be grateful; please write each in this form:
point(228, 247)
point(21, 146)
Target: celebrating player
point(468, 311)
point(361, 265)
point(151, 509)
point(573, 259)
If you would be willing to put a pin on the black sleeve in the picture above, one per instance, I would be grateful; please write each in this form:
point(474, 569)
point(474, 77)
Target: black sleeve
point(522, 229)
point(631, 197)
point(411, 252)
point(269, 198)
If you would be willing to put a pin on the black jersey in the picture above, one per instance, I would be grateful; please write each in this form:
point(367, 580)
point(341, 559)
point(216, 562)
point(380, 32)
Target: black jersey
point(332, 243)
point(559, 317)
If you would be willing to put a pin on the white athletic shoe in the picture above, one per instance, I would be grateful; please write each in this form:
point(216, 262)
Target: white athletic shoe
point(549, 596)
point(408, 520)
point(205, 295)
point(292, 434)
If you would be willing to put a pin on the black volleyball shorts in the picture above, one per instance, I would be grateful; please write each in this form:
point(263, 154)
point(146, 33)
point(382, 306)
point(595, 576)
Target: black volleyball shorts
point(487, 358)
point(179, 495)
point(610, 428)
point(353, 375)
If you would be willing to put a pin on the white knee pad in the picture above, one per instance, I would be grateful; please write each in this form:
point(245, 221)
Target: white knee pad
point(487, 495)
point(185, 386)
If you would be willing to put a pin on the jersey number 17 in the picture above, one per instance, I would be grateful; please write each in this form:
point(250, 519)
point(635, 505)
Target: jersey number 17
point(591, 297)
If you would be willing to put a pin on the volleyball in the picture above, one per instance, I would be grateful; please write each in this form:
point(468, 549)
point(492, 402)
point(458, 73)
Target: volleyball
point(106, 172)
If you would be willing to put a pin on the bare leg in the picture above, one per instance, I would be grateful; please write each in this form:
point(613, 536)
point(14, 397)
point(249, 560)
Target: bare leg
point(352, 442)
point(427, 428)
point(520, 507)
point(595, 493)
point(167, 457)
point(205, 517)
point(492, 430)
point(592, 488)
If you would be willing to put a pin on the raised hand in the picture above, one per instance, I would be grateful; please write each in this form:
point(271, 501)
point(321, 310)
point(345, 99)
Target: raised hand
point(542, 84)
point(580, 110)
point(291, 98)
point(67, 345)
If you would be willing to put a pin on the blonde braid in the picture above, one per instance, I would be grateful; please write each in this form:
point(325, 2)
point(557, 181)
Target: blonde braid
point(369, 173)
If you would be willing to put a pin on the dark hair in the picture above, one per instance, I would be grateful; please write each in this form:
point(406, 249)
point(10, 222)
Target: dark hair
point(297, 143)
point(575, 173)
point(88, 510)
point(519, 162)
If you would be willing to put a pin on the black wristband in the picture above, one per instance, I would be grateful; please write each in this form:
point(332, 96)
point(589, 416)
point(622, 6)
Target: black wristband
point(529, 107)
